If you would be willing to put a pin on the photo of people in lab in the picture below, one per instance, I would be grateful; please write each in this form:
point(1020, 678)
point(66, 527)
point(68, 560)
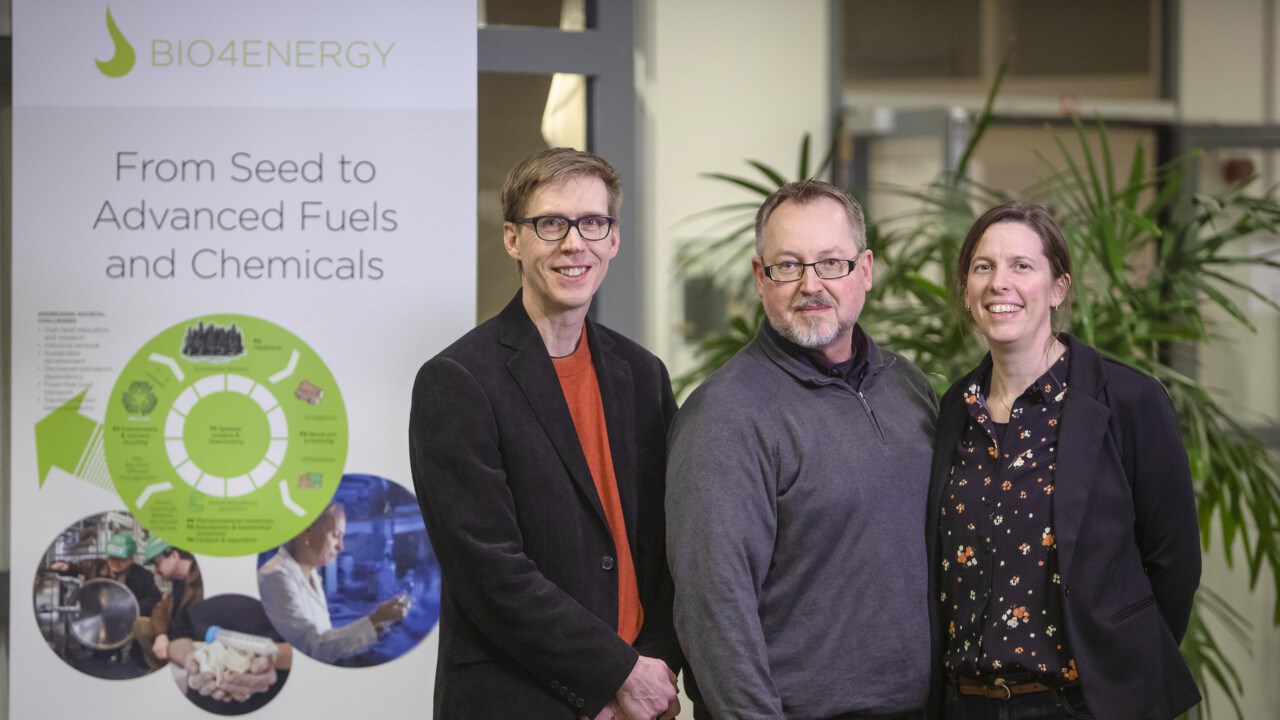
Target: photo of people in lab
point(106, 591)
point(361, 585)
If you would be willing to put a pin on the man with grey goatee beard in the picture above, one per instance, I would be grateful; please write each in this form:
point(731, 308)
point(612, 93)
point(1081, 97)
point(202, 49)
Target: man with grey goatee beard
point(796, 485)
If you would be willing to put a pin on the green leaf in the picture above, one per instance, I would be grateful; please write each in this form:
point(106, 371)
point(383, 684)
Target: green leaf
point(802, 171)
point(980, 126)
point(751, 185)
point(774, 176)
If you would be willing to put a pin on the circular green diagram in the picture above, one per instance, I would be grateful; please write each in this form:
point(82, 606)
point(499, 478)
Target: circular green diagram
point(225, 435)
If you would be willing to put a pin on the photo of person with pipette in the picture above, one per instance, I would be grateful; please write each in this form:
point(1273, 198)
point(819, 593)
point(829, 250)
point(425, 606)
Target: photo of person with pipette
point(359, 586)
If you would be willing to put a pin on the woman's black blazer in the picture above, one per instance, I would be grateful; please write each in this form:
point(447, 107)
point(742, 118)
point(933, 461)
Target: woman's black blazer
point(1128, 538)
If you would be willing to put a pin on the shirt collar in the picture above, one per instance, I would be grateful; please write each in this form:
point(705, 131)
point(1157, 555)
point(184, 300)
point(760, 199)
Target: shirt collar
point(851, 371)
point(1050, 387)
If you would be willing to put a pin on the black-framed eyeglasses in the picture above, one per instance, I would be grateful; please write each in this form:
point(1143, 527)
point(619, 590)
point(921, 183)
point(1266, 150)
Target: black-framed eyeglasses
point(554, 228)
point(830, 269)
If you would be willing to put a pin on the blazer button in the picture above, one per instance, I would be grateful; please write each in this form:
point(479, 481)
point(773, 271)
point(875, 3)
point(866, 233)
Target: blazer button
point(581, 702)
point(564, 690)
point(572, 697)
point(606, 563)
point(555, 684)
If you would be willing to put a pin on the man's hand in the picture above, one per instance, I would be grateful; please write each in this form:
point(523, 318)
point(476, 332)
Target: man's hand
point(648, 692)
point(160, 648)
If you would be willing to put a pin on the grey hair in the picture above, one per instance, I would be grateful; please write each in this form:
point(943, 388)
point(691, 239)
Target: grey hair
point(808, 191)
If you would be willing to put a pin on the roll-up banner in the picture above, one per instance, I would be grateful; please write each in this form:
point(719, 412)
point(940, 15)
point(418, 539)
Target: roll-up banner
point(238, 229)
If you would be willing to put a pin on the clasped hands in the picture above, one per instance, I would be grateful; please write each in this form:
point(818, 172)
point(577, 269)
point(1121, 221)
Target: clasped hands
point(234, 686)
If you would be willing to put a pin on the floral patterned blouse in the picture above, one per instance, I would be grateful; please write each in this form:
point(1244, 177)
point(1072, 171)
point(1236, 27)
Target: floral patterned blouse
point(1001, 606)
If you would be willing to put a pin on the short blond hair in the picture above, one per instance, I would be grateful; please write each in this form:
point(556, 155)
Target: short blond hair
point(556, 165)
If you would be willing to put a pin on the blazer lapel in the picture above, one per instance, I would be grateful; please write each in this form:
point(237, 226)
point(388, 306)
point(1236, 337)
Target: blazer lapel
point(1081, 442)
point(533, 371)
point(951, 420)
point(617, 391)
point(950, 425)
point(952, 416)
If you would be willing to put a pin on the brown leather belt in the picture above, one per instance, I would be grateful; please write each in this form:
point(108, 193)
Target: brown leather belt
point(997, 689)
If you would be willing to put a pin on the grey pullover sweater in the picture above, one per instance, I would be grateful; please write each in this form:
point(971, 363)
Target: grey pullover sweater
point(795, 512)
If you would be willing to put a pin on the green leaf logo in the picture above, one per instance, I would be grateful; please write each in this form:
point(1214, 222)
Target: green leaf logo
point(122, 62)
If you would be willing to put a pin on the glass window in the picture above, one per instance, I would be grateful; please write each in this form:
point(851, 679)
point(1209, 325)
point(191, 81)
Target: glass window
point(1081, 37)
point(1082, 48)
point(911, 39)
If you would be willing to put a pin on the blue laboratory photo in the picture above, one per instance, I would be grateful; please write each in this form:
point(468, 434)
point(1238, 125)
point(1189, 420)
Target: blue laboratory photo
point(360, 586)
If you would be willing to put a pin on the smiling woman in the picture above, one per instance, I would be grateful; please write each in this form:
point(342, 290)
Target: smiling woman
point(1013, 274)
point(1063, 543)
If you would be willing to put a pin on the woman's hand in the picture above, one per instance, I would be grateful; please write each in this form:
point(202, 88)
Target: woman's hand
point(390, 611)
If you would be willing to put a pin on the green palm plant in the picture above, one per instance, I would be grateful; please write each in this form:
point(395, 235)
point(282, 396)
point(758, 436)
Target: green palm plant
point(1151, 261)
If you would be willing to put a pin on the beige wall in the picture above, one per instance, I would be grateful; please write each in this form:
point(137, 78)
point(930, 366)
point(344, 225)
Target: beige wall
point(720, 81)
point(1258, 658)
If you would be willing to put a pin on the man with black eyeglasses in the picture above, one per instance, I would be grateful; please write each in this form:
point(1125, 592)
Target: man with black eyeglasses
point(538, 448)
point(796, 491)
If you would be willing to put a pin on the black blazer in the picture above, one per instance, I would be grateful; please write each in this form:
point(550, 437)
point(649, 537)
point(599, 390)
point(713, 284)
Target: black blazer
point(1128, 539)
point(529, 609)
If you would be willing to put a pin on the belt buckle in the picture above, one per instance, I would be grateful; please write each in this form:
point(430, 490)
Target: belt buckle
point(1008, 692)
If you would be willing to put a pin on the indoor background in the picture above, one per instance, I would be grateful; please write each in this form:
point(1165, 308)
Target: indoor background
point(668, 90)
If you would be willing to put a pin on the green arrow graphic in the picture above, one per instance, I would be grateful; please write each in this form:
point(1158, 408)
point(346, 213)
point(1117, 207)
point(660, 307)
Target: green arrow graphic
point(67, 439)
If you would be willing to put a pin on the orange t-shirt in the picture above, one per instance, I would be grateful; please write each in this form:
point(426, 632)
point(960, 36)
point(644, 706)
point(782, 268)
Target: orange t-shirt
point(582, 391)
